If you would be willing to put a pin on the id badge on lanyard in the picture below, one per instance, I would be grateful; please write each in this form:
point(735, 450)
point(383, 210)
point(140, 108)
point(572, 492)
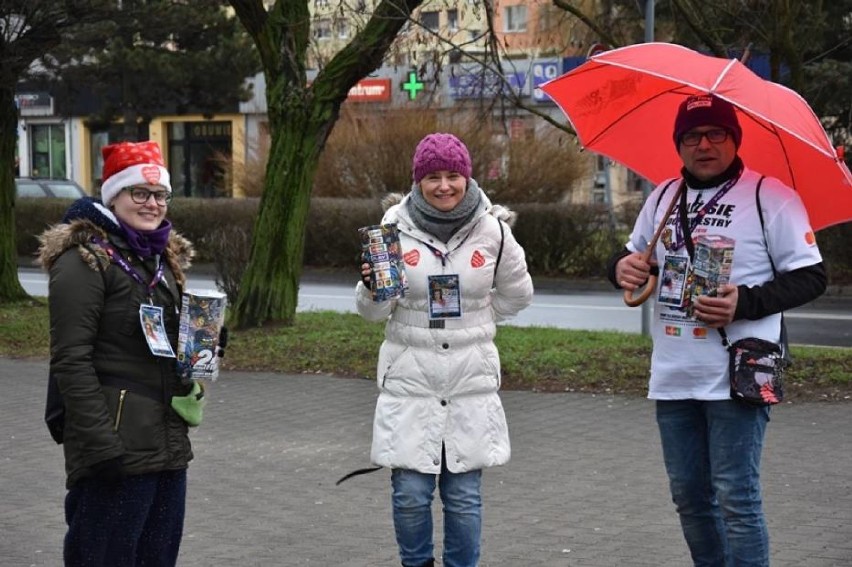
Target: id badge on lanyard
point(154, 329)
point(444, 297)
point(673, 280)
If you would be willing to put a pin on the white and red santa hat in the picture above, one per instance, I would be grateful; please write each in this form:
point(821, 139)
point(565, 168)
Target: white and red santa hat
point(132, 163)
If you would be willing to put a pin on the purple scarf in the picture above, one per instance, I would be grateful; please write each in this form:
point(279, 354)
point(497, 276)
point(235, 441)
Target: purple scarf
point(148, 243)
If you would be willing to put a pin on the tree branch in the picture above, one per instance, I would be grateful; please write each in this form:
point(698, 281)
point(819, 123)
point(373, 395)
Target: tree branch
point(604, 36)
point(697, 28)
point(365, 52)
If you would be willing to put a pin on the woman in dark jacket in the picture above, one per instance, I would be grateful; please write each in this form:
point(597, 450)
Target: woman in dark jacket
point(116, 267)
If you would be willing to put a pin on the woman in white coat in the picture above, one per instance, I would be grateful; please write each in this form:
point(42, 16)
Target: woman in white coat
point(439, 415)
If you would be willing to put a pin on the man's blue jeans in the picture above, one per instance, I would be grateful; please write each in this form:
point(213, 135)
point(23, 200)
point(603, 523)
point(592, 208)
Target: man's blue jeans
point(712, 455)
point(412, 516)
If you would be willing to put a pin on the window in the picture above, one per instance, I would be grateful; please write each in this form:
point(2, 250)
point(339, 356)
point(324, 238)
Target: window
point(47, 150)
point(320, 3)
point(453, 20)
point(515, 19)
point(342, 29)
point(322, 29)
point(430, 20)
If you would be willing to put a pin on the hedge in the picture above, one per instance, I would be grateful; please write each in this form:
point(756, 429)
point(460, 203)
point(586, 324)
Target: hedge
point(560, 240)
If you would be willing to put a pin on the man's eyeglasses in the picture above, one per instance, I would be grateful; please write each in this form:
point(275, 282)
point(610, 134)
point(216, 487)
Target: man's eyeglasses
point(713, 136)
point(140, 195)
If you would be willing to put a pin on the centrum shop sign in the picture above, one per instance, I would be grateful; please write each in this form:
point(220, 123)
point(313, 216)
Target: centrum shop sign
point(371, 90)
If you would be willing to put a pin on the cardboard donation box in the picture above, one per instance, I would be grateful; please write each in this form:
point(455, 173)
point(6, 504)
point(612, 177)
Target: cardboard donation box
point(381, 249)
point(711, 268)
point(201, 318)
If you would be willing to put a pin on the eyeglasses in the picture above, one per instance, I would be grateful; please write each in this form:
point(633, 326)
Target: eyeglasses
point(140, 195)
point(713, 136)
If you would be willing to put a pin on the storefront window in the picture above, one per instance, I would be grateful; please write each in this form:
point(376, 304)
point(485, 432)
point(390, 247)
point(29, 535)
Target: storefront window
point(199, 158)
point(47, 149)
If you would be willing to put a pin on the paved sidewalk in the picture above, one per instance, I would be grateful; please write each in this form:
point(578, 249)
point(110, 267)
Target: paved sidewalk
point(585, 486)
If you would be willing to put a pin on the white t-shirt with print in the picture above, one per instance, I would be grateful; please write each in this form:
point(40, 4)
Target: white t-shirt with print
point(688, 360)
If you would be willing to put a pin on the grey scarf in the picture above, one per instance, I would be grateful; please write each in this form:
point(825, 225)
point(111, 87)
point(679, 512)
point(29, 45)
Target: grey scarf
point(442, 224)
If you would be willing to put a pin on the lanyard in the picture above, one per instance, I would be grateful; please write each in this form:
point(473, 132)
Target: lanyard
point(122, 263)
point(680, 239)
point(444, 256)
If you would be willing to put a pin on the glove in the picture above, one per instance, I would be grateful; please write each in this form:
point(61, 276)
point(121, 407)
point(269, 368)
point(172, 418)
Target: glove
point(191, 406)
point(223, 342)
point(109, 471)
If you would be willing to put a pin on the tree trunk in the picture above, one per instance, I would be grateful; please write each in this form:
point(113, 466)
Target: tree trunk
point(270, 287)
point(300, 121)
point(10, 287)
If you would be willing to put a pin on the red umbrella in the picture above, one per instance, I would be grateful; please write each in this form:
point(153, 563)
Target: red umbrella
point(622, 104)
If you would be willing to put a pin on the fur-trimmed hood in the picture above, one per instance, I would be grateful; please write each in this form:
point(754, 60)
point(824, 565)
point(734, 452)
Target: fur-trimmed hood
point(503, 213)
point(79, 231)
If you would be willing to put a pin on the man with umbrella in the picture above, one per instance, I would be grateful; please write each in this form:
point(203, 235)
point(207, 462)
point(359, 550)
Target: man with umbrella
point(711, 443)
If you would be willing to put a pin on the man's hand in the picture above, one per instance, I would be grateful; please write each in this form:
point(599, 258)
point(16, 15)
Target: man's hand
point(632, 271)
point(717, 310)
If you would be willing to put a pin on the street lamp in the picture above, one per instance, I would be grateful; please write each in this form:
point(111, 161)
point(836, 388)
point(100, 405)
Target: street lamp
point(646, 185)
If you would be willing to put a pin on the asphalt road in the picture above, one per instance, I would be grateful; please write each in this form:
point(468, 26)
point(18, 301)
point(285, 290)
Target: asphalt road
point(560, 304)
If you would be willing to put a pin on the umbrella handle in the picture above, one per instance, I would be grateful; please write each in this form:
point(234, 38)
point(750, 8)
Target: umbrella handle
point(650, 286)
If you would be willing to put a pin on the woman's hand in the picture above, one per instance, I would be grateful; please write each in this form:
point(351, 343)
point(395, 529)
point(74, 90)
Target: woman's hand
point(366, 273)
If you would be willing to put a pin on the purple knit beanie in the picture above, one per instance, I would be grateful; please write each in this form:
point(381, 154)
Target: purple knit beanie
point(706, 110)
point(437, 152)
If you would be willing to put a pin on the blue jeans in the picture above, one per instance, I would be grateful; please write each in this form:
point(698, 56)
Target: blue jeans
point(712, 455)
point(137, 521)
point(412, 516)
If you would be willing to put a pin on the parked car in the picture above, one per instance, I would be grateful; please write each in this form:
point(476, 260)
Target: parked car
point(46, 187)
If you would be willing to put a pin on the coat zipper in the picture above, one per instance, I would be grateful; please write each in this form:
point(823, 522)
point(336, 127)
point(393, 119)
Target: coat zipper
point(120, 408)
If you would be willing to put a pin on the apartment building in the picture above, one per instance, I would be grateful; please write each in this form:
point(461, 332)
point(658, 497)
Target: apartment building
point(441, 61)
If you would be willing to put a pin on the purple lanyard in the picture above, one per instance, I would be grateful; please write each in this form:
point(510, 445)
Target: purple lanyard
point(679, 240)
point(444, 256)
point(128, 269)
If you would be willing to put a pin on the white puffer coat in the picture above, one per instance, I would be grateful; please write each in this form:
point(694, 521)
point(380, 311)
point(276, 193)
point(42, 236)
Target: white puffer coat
point(439, 386)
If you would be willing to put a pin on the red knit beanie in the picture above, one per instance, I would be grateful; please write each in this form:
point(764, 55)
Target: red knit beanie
point(706, 110)
point(440, 152)
point(132, 163)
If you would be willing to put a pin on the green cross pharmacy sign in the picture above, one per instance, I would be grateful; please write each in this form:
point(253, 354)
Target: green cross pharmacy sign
point(413, 85)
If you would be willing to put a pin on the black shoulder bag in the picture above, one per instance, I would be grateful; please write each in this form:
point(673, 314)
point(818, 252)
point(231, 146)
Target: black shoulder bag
point(755, 366)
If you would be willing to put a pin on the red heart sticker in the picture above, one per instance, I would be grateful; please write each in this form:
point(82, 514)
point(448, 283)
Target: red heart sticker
point(412, 258)
point(477, 260)
point(151, 173)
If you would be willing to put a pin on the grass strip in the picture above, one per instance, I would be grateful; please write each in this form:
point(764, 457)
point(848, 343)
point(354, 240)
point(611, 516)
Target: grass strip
point(542, 359)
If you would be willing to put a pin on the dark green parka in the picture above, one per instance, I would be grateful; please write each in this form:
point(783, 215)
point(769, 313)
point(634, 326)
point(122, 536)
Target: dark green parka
point(116, 392)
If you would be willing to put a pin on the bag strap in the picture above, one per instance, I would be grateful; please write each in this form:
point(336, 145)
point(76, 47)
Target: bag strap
point(785, 345)
point(691, 249)
point(663, 192)
point(358, 472)
point(500, 252)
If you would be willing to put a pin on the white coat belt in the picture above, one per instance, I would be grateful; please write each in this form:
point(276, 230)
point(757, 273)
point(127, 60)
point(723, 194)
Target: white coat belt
point(468, 319)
